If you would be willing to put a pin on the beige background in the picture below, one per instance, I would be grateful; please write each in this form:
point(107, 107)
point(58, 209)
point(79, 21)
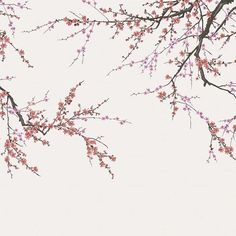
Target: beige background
point(163, 184)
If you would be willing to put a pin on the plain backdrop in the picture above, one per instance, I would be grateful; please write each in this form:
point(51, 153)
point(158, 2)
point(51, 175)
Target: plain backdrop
point(163, 184)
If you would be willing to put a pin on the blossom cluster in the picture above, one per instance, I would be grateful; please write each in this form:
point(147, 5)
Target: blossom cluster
point(34, 125)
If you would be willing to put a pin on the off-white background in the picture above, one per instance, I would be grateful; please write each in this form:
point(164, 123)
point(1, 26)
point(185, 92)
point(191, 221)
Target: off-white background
point(163, 184)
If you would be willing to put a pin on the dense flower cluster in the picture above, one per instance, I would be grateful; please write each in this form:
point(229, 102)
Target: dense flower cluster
point(34, 125)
